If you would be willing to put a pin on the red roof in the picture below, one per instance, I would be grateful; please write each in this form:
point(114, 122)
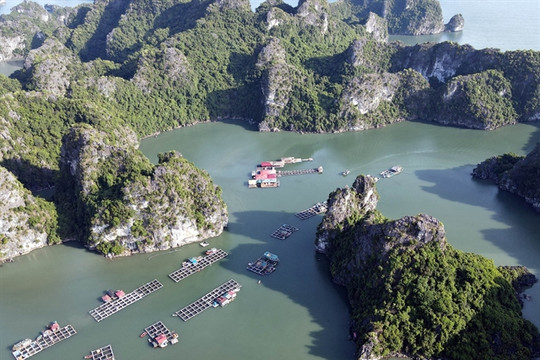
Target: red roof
point(120, 293)
point(106, 298)
point(271, 176)
point(161, 339)
point(54, 326)
point(266, 163)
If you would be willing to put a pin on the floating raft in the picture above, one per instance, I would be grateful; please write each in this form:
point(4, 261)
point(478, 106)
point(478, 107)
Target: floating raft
point(318, 170)
point(189, 269)
point(316, 209)
point(284, 231)
point(206, 301)
point(264, 265)
point(109, 308)
point(159, 329)
point(394, 170)
point(104, 353)
point(27, 348)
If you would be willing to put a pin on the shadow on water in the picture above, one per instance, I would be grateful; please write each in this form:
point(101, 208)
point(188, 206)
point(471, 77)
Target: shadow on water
point(533, 139)
point(518, 225)
point(303, 276)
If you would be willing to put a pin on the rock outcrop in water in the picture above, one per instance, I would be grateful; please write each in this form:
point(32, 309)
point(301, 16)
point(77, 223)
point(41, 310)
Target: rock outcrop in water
point(516, 174)
point(412, 293)
point(128, 204)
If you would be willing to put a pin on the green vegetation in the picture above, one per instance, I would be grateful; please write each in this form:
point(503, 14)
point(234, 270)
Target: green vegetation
point(413, 294)
point(440, 304)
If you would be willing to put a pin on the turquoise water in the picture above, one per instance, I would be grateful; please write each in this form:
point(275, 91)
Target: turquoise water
point(295, 313)
point(501, 24)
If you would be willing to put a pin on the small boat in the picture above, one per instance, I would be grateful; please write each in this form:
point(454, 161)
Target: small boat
point(211, 251)
point(143, 334)
point(204, 244)
point(88, 356)
point(346, 172)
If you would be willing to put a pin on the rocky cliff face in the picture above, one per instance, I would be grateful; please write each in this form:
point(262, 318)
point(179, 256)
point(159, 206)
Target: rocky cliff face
point(276, 82)
point(377, 26)
point(518, 175)
point(171, 65)
point(313, 13)
point(343, 204)
point(132, 205)
point(49, 66)
point(26, 223)
point(378, 99)
point(444, 60)
point(28, 23)
point(456, 23)
point(485, 101)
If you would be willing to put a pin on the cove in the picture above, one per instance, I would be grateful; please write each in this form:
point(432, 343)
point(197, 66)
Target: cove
point(296, 312)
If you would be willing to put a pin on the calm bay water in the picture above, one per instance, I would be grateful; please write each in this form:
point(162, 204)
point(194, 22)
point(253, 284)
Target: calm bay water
point(296, 312)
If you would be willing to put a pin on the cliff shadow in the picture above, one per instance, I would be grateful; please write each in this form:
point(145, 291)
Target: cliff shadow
point(302, 275)
point(181, 17)
point(95, 47)
point(239, 102)
point(533, 139)
point(39, 180)
point(503, 219)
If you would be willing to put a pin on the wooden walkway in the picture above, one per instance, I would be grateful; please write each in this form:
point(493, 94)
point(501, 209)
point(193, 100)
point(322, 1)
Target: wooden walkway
point(316, 209)
point(284, 231)
point(104, 353)
point(318, 170)
point(189, 269)
point(206, 301)
point(105, 310)
point(42, 342)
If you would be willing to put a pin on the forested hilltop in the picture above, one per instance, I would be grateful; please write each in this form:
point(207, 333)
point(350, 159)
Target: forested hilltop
point(413, 294)
point(150, 66)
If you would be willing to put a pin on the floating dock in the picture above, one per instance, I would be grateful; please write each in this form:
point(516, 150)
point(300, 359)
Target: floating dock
point(160, 335)
point(318, 170)
point(316, 209)
point(206, 301)
point(190, 268)
point(282, 162)
point(284, 231)
point(104, 353)
point(53, 335)
point(394, 170)
point(264, 265)
point(109, 308)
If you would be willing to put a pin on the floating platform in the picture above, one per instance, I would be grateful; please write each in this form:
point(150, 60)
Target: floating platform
point(104, 353)
point(316, 209)
point(105, 310)
point(264, 265)
point(53, 335)
point(190, 268)
point(206, 301)
point(282, 162)
point(284, 231)
point(394, 170)
point(318, 170)
point(158, 333)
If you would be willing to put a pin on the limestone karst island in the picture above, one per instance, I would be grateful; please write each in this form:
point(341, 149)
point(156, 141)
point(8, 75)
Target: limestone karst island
point(235, 180)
